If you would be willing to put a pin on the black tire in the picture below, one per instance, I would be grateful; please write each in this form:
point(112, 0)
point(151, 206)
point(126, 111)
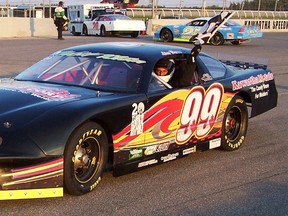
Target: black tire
point(217, 39)
point(166, 35)
point(74, 32)
point(135, 34)
point(235, 124)
point(103, 32)
point(237, 42)
point(85, 158)
point(85, 30)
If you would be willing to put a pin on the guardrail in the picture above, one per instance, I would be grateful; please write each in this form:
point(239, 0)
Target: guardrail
point(193, 13)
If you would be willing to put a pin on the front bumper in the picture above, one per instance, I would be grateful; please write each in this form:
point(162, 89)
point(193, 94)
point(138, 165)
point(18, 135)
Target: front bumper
point(31, 179)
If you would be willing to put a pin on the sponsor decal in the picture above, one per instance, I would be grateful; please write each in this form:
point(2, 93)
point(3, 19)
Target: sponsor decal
point(170, 157)
point(206, 77)
point(102, 56)
point(253, 80)
point(215, 143)
point(230, 36)
point(135, 153)
point(260, 90)
point(121, 58)
point(189, 150)
point(147, 163)
point(49, 94)
point(157, 148)
point(170, 52)
point(137, 118)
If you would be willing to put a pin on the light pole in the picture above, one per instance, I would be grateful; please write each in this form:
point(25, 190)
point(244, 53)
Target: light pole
point(259, 5)
point(203, 7)
point(276, 1)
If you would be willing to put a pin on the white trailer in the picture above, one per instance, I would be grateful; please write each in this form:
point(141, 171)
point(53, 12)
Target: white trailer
point(78, 14)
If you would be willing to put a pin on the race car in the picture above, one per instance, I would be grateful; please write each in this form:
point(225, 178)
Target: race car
point(67, 117)
point(113, 24)
point(231, 31)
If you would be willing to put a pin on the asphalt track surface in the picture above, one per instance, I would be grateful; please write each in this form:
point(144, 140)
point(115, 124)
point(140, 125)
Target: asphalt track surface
point(250, 181)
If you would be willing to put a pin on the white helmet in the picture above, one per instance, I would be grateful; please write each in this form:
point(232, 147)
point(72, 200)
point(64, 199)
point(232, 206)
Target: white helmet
point(170, 65)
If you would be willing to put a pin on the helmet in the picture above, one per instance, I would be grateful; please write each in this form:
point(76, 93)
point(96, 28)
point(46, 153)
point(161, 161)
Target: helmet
point(169, 64)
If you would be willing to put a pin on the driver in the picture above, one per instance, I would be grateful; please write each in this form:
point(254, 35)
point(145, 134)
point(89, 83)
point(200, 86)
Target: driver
point(165, 69)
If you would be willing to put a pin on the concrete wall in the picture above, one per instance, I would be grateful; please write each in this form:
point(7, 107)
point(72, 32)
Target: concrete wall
point(44, 27)
point(27, 27)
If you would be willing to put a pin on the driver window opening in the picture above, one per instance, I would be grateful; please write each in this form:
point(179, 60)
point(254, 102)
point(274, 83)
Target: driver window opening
point(176, 72)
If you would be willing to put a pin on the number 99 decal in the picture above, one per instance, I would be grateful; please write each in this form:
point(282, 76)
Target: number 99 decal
point(199, 112)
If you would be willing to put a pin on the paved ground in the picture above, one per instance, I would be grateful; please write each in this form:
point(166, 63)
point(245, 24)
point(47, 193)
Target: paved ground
point(250, 181)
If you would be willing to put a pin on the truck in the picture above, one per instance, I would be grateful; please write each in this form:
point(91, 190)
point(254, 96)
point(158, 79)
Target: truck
point(78, 14)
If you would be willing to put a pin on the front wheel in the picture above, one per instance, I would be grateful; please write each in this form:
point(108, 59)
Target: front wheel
point(235, 124)
point(166, 35)
point(85, 30)
point(85, 158)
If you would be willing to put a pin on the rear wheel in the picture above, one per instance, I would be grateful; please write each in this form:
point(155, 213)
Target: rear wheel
point(85, 158)
point(217, 39)
point(237, 42)
point(235, 124)
point(103, 32)
point(135, 34)
point(166, 35)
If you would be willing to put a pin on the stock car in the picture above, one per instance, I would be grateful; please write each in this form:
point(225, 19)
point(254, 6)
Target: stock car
point(231, 31)
point(113, 24)
point(85, 108)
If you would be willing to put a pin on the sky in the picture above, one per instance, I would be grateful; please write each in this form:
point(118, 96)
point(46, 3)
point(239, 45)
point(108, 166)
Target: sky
point(167, 3)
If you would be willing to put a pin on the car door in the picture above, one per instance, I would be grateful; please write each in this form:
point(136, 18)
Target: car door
point(165, 106)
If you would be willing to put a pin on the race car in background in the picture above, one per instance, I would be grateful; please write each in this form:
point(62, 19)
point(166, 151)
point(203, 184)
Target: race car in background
point(231, 31)
point(113, 24)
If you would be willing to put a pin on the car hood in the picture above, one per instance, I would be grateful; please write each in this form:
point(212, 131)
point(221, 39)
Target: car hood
point(33, 99)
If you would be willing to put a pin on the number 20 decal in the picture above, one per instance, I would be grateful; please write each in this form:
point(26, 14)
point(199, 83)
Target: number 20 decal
point(199, 112)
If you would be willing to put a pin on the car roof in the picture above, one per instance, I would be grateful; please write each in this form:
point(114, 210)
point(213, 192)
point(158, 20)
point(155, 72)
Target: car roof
point(114, 15)
point(146, 51)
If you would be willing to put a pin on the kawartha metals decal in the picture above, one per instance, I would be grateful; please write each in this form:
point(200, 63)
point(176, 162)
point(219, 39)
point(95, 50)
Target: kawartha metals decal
point(253, 80)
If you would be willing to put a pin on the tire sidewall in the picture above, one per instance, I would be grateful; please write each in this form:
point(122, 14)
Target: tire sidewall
point(228, 144)
point(72, 185)
point(102, 31)
point(217, 39)
point(166, 31)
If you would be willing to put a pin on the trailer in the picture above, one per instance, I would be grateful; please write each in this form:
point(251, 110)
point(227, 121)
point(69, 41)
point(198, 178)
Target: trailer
point(78, 14)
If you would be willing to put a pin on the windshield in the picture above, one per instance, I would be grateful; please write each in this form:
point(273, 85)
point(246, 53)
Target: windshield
point(97, 70)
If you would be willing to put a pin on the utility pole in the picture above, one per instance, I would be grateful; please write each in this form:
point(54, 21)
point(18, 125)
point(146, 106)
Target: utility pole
point(259, 5)
point(153, 11)
point(276, 1)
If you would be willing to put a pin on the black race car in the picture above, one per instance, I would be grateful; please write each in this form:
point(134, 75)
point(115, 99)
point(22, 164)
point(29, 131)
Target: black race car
point(69, 116)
